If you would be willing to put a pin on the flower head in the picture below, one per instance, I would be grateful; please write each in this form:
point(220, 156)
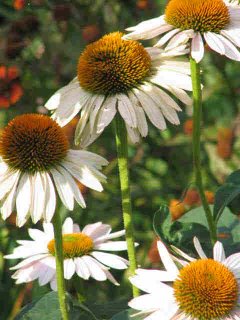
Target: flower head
point(10, 89)
point(117, 75)
point(203, 289)
point(83, 253)
point(216, 22)
point(34, 160)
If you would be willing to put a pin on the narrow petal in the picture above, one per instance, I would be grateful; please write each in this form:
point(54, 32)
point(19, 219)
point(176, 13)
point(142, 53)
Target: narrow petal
point(50, 200)
point(82, 269)
point(67, 226)
point(197, 48)
point(95, 269)
point(214, 43)
point(199, 248)
point(69, 268)
point(166, 259)
point(23, 199)
point(63, 189)
point(39, 193)
point(110, 260)
point(126, 110)
point(218, 252)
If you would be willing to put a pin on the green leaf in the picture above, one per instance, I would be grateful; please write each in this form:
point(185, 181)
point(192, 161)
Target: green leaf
point(46, 307)
point(228, 195)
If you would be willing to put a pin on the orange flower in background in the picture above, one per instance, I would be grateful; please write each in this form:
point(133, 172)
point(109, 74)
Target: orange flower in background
point(191, 197)
point(177, 209)
point(153, 254)
point(225, 142)
point(10, 88)
point(91, 33)
point(19, 4)
point(188, 127)
point(210, 196)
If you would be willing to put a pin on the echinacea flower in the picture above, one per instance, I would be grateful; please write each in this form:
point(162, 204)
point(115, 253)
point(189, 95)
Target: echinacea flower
point(116, 75)
point(83, 252)
point(10, 88)
point(203, 289)
point(35, 160)
point(214, 22)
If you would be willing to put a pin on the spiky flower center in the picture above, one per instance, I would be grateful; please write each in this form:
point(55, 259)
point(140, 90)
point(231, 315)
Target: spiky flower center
point(74, 245)
point(206, 290)
point(33, 143)
point(199, 15)
point(112, 65)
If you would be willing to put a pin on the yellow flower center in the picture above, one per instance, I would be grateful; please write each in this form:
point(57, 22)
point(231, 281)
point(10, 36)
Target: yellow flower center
point(74, 245)
point(199, 15)
point(206, 290)
point(32, 143)
point(112, 65)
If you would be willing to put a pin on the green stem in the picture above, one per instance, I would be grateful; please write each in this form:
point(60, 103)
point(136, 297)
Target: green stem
point(57, 225)
point(122, 150)
point(197, 117)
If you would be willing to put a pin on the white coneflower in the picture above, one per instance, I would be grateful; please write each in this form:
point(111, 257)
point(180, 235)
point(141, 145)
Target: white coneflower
point(214, 22)
point(83, 253)
point(116, 75)
point(35, 159)
point(203, 289)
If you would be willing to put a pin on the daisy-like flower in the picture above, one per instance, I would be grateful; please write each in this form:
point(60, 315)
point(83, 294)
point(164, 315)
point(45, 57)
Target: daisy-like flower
point(214, 22)
point(83, 253)
point(203, 289)
point(35, 162)
point(116, 75)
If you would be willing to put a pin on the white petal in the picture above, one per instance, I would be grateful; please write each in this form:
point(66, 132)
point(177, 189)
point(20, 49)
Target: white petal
point(67, 226)
point(53, 284)
point(23, 199)
point(96, 271)
point(147, 302)
point(69, 268)
point(166, 37)
point(38, 202)
point(73, 186)
point(106, 114)
point(84, 175)
point(63, 189)
point(98, 103)
point(7, 181)
point(199, 248)
point(166, 259)
point(230, 50)
point(232, 35)
point(214, 42)
point(50, 200)
point(197, 48)
point(110, 260)
point(55, 99)
point(180, 38)
point(148, 283)
point(126, 110)
point(153, 112)
point(133, 134)
point(112, 246)
point(141, 118)
point(218, 252)
point(82, 268)
point(9, 203)
point(97, 230)
point(48, 271)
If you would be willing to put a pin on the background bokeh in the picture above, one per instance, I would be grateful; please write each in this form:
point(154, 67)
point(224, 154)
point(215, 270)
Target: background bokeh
point(40, 42)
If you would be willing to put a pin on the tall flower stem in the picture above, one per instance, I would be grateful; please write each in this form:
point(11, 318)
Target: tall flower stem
point(57, 225)
point(197, 117)
point(122, 151)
